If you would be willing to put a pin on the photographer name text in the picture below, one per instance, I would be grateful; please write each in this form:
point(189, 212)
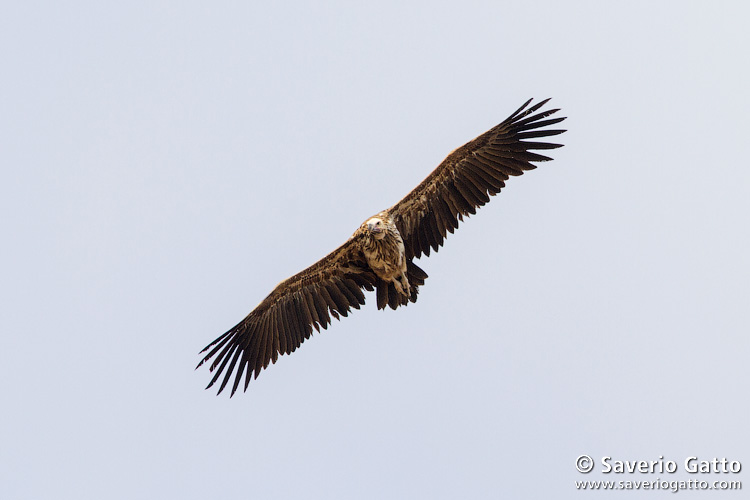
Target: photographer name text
point(691, 465)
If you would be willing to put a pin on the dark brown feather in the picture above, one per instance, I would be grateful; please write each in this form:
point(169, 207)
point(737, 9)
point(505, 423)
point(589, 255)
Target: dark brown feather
point(470, 174)
point(382, 294)
point(284, 319)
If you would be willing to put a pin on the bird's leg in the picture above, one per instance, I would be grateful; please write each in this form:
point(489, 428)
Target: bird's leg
point(402, 285)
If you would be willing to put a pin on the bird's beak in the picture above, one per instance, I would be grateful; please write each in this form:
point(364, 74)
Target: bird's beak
point(373, 228)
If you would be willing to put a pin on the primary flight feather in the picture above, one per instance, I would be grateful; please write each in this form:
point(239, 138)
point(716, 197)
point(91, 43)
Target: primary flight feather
point(379, 255)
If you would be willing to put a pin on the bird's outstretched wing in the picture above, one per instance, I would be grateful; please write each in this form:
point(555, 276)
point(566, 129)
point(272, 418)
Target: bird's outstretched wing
point(285, 318)
point(468, 177)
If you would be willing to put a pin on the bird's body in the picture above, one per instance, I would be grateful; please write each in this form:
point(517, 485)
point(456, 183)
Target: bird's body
point(383, 248)
point(379, 255)
point(385, 253)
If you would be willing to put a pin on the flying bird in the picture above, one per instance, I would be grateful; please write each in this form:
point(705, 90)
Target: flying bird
point(380, 255)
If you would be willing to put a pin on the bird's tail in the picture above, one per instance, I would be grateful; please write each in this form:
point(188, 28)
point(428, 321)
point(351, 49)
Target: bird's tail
point(388, 295)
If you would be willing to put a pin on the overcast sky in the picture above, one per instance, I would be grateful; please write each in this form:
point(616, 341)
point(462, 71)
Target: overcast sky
point(164, 165)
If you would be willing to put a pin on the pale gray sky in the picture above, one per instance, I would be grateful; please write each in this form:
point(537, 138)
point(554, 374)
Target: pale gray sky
point(166, 164)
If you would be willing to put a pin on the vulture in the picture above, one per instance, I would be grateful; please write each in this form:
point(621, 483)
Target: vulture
point(380, 255)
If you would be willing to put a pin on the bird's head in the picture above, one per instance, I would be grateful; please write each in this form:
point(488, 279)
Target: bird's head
point(376, 227)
